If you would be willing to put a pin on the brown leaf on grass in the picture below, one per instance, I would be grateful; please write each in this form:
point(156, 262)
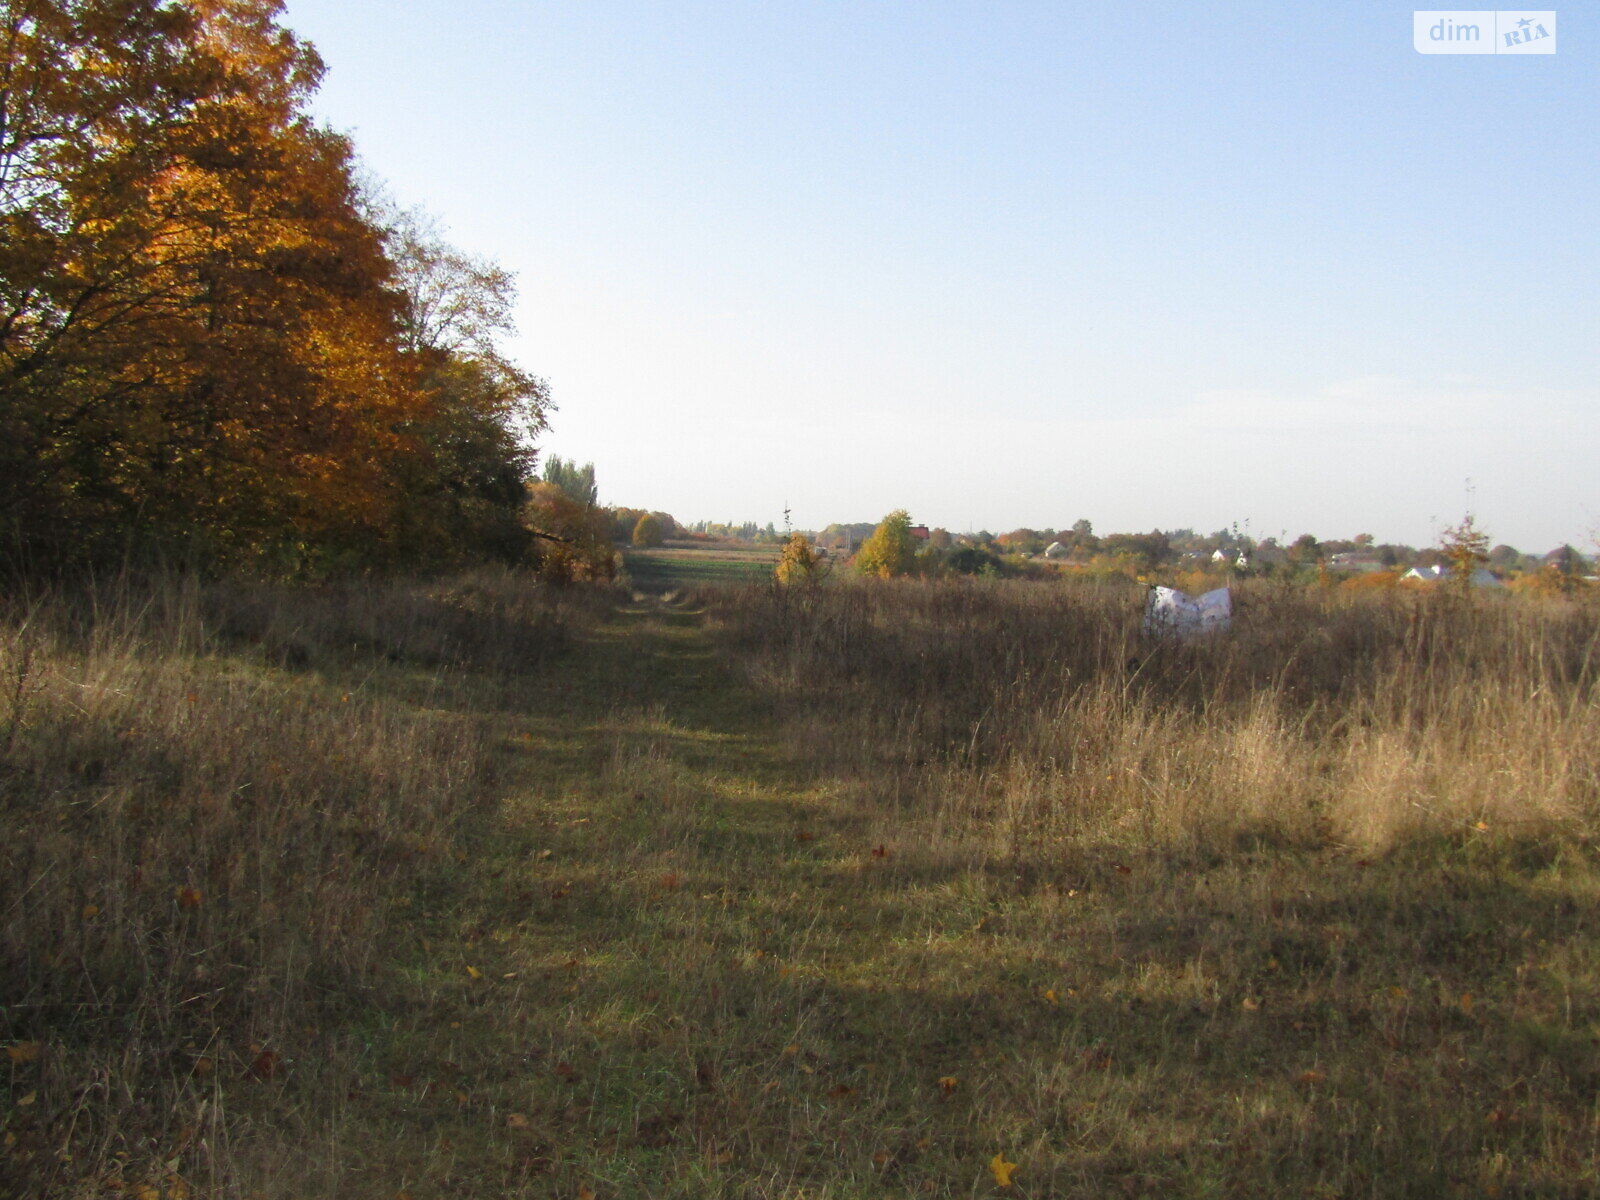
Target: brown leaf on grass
point(1466, 1002)
point(90, 911)
point(947, 1084)
point(560, 893)
point(805, 835)
point(402, 1081)
point(203, 1068)
point(23, 1052)
point(266, 1065)
point(670, 881)
point(840, 1090)
point(1250, 1005)
point(1311, 1077)
point(584, 1193)
point(187, 897)
point(1120, 869)
point(881, 851)
point(567, 1071)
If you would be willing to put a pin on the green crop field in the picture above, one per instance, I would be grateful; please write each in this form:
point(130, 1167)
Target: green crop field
point(683, 567)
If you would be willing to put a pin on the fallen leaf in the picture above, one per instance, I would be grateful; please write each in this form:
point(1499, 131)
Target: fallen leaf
point(474, 972)
point(1001, 1169)
point(841, 1090)
point(1311, 1077)
point(670, 880)
point(791, 1050)
point(187, 897)
point(947, 1084)
point(90, 910)
point(23, 1052)
point(880, 851)
point(1050, 996)
point(1249, 1005)
point(265, 1065)
point(1466, 1002)
point(1122, 870)
point(25, 1101)
point(203, 1067)
point(585, 1194)
point(805, 835)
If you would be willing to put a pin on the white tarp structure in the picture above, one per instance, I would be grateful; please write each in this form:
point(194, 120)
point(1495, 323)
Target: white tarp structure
point(1167, 610)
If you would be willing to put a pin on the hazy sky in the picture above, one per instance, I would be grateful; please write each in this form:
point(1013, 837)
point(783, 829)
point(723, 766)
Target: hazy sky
point(1007, 263)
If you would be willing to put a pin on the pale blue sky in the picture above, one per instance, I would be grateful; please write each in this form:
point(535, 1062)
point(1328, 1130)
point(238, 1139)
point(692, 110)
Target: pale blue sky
point(1014, 263)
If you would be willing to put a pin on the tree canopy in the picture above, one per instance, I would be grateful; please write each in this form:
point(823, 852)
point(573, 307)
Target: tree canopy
point(206, 344)
point(891, 550)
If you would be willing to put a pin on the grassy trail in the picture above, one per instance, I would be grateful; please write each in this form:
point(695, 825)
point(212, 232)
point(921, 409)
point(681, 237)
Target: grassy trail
point(653, 977)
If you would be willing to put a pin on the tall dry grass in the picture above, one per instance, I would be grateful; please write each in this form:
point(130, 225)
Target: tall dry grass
point(215, 800)
point(1037, 714)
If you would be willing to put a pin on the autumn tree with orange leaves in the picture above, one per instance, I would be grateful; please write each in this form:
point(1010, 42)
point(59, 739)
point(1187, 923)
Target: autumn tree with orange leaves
point(205, 346)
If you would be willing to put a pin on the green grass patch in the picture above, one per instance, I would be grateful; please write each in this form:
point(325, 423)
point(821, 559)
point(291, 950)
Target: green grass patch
point(683, 568)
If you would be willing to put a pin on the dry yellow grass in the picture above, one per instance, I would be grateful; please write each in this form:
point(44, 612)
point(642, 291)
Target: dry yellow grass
point(850, 894)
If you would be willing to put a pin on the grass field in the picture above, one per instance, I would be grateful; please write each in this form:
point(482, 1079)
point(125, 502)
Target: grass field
point(474, 891)
point(678, 567)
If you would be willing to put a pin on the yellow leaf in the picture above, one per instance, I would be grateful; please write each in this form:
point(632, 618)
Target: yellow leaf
point(25, 1101)
point(474, 972)
point(23, 1052)
point(947, 1083)
point(791, 1050)
point(1050, 996)
point(90, 910)
point(1002, 1169)
point(517, 1121)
